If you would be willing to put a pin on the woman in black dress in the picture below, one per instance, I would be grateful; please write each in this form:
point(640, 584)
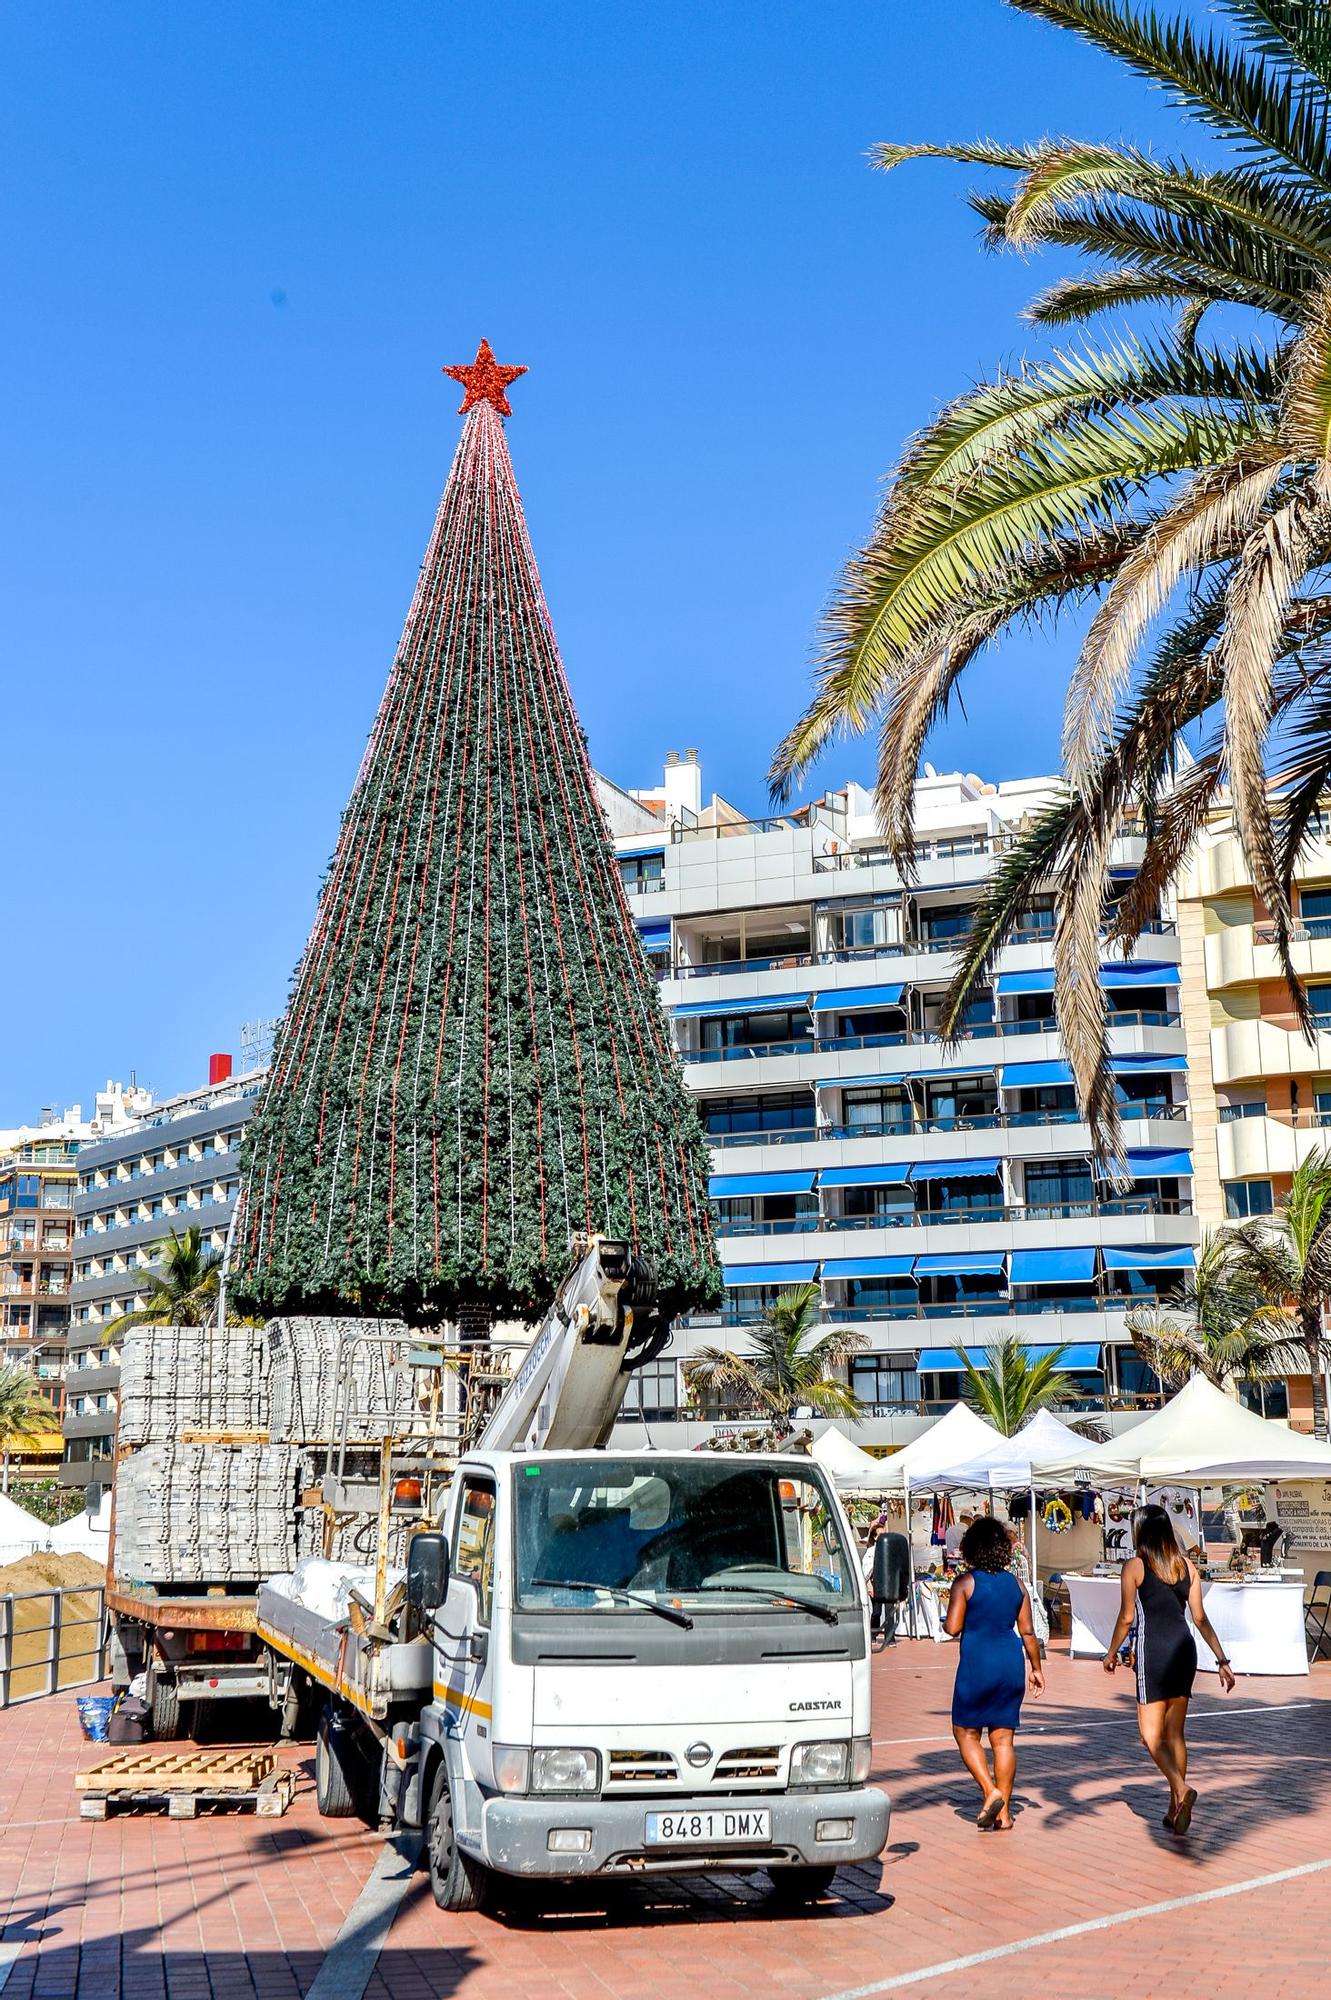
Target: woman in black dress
point(1159, 1584)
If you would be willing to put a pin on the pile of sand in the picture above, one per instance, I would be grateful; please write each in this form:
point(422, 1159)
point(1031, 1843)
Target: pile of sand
point(50, 1570)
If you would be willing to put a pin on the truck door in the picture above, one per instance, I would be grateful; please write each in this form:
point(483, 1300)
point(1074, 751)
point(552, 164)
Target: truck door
point(462, 1627)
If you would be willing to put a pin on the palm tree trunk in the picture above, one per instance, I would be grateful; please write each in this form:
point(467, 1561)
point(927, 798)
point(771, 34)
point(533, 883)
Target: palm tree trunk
point(1311, 1322)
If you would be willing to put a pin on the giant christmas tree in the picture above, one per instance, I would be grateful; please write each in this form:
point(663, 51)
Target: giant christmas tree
point(474, 1064)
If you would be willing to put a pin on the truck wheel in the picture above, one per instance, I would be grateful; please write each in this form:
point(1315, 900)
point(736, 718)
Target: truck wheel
point(166, 1711)
point(335, 1774)
point(458, 1882)
point(801, 1885)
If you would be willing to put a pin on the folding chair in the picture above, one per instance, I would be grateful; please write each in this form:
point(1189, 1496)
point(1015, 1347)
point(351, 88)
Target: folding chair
point(1317, 1615)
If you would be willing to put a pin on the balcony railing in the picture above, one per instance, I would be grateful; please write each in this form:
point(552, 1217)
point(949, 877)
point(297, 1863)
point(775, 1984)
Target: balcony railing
point(912, 947)
point(922, 1218)
point(913, 1037)
point(1315, 928)
point(967, 1309)
point(980, 1121)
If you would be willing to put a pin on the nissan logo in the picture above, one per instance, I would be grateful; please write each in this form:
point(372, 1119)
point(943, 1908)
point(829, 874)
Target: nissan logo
point(698, 1754)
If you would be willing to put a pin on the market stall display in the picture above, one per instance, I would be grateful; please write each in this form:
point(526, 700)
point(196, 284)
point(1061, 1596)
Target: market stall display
point(1259, 1621)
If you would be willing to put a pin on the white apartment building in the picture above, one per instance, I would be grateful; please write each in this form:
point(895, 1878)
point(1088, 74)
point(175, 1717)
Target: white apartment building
point(939, 1196)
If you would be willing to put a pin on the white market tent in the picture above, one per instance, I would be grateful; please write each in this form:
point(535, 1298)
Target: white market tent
point(1007, 1463)
point(851, 1468)
point(958, 1438)
point(81, 1537)
point(21, 1533)
point(1200, 1438)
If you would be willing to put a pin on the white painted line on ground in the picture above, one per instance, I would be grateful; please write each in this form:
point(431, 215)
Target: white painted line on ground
point(947, 1966)
point(349, 1964)
point(1196, 1715)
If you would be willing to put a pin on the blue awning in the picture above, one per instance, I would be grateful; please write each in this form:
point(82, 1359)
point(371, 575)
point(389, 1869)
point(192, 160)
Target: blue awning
point(1138, 974)
point(1152, 1162)
point(1041, 980)
point(1121, 973)
point(769, 1274)
point(962, 1264)
point(1053, 1267)
point(722, 1186)
point(953, 1170)
point(867, 1267)
point(943, 1360)
point(887, 1174)
point(642, 853)
point(1148, 1257)
point(766, 1004)
point(1146, 1065)
point(1029, 1075)
point(851, 997)
point(655, 933)
point(890, 1076)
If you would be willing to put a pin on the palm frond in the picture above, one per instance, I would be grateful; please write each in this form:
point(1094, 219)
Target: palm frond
point(1292, 35)
point(1115, 289)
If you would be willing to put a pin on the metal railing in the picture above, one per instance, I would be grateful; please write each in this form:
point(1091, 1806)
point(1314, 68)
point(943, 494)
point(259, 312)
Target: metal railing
point(936, 1218)
point(914, 1037)
point(51, 1639)
point(924, 1309)
point(1310, 932)
point(979, 1121)
point(910, 947)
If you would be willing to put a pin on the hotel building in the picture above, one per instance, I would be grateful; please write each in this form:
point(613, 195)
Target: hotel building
point(939, 1195)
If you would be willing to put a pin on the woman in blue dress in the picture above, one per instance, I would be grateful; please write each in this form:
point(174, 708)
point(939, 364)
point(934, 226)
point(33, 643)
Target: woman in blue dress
point(990, 1611)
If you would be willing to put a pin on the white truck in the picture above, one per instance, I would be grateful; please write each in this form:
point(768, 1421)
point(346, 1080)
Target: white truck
point(608, 1663)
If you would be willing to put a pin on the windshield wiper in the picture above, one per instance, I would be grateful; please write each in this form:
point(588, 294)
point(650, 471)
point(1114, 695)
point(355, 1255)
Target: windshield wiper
point(823, 1611)
point(666, 1611)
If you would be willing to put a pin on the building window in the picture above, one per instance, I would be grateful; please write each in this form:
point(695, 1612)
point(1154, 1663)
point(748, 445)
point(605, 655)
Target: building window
point(885, 1379)
point(641, 872)
point(1248, 1198)
point(652, 1393)
point(1319, 1004)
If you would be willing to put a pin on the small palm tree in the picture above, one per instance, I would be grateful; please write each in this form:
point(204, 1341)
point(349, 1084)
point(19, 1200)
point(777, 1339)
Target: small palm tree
point(1288, 1258)
point(184, 1291)
point(25, 1414)
point(1224, 1326)
point(1013, 1384)
point(785, 1368)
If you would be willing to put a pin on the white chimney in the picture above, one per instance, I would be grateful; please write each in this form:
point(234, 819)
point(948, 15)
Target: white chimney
point(683, 784)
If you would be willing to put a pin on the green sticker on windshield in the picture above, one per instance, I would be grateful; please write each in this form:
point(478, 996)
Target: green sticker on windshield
point(532, 1471)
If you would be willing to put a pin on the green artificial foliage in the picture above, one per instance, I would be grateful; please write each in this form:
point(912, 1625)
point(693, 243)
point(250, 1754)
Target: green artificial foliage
point(475, 1064)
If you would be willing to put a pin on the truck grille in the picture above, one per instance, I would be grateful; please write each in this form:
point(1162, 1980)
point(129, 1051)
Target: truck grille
point(641, 1767)
point(736, 1766)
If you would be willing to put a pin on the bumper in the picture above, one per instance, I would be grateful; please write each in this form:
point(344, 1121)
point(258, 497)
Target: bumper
point(222, 1682)
point(515, 1834)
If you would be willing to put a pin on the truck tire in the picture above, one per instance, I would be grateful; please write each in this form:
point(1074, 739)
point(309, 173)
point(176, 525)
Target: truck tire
point(800, 1885)
point(335, 1773)
point(165, 1711)
point(458, 1882)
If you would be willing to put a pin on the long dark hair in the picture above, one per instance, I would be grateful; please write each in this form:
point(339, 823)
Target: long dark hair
point(1154, 1539)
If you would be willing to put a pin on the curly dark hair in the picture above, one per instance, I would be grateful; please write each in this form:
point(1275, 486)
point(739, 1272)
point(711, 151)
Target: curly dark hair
point(986, 1544)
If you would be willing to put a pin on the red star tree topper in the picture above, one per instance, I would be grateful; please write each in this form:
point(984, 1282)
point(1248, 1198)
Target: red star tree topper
point(485, 381)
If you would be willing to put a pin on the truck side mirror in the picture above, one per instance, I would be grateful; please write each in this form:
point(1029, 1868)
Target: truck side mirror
point(427, 1579)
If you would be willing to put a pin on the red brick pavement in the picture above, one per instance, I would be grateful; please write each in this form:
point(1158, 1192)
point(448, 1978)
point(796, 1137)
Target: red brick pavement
point(241, 1909)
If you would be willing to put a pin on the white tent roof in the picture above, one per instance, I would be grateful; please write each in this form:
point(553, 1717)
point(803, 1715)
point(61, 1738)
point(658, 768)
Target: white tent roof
point(848, 1465)
point(81, 1537)
point(1201, 1436)
point(21, 1533)
point(958, 1438)
point(1007, 1463)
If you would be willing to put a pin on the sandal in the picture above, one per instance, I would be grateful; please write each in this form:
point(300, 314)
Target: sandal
point(993, 1808)
point(1182, 1819)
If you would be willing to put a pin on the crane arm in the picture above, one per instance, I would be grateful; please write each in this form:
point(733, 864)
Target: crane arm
point(567, 1393)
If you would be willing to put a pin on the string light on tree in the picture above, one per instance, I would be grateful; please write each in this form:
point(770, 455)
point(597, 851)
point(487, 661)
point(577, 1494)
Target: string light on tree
point(475, 1062)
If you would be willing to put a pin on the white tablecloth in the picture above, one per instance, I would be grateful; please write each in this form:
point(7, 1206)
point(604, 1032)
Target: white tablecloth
point(1260, 1625)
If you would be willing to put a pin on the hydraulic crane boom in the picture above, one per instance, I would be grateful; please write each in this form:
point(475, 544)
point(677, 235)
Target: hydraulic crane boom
point(568, 1391)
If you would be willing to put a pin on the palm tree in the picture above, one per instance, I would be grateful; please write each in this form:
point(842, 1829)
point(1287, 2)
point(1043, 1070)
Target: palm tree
point(1224, 1326)
point(184, 1291)
point(1288, 1258)
point(25, 1414)
point(784, 1368)
point(1013, 1384)
point(1149, 471)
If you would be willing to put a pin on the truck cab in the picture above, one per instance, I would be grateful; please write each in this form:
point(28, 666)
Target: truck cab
point(643, 1662)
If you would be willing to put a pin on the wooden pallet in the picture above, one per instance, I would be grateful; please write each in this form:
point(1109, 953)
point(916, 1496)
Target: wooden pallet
point(183, 1780)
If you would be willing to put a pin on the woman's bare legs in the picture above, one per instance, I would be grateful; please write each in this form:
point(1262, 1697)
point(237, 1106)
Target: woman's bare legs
point(971, 1746)
point(1153, 1728)
point(1176, 1721)
point(1003, 1745)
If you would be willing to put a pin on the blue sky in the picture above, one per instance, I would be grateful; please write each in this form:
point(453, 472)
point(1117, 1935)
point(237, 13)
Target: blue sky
point(240, 243)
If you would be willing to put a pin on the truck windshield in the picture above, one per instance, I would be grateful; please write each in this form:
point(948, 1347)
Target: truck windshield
point(698, 1528)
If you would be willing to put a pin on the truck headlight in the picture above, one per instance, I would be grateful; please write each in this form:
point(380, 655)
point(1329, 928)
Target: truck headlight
point(512, 1766)
point(820, 1763)
point(567, 1771)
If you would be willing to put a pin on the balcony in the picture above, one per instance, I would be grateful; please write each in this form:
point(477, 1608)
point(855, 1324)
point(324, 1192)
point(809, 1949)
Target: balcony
point(859, 955)
point(911, 1218)
point(968, 1310)
point(910, 1127)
